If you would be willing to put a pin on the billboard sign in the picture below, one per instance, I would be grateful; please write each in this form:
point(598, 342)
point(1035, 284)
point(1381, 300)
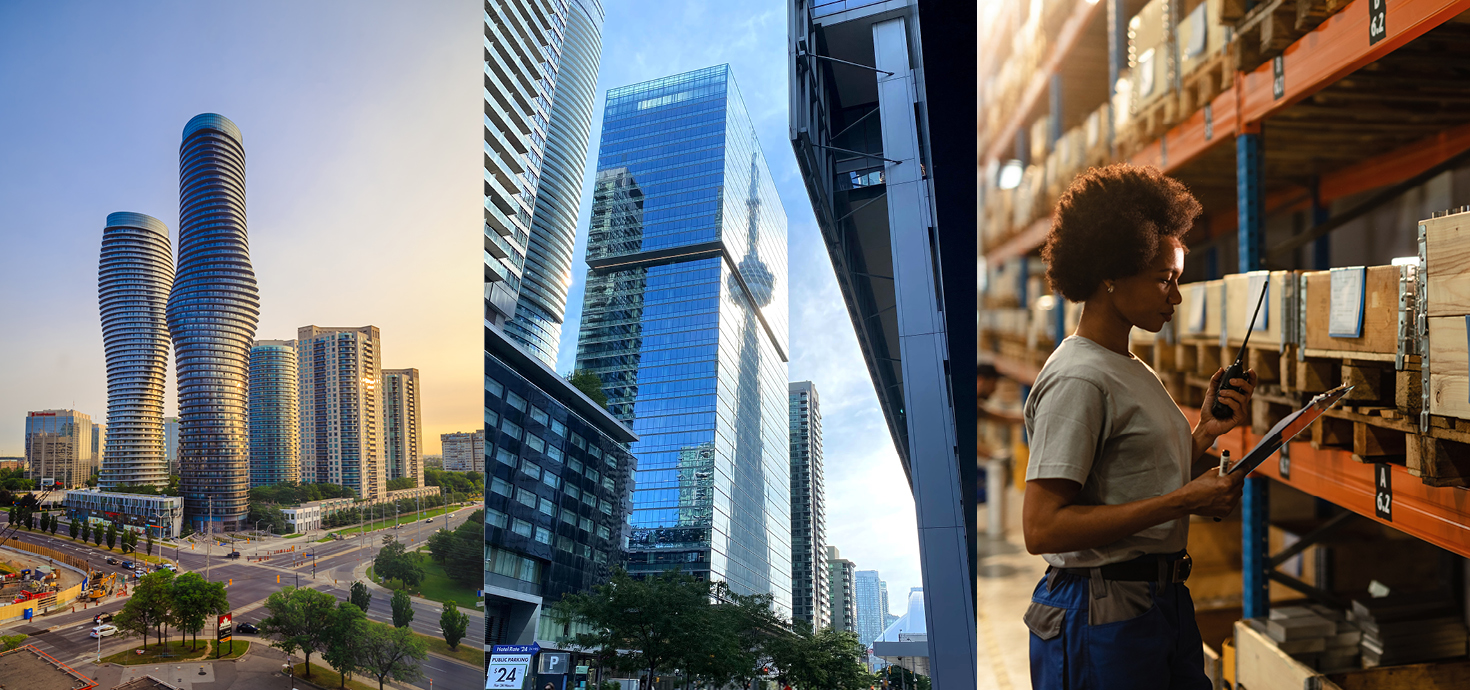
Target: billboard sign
point(508, 666)
point(554, 663)
point(226, 628)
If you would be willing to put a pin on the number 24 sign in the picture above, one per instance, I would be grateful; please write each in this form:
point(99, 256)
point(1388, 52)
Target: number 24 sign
point(506, 676)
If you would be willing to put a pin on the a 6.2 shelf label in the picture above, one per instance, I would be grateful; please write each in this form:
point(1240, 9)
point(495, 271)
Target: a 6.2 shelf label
point(1383, 491)
point(1377, 20)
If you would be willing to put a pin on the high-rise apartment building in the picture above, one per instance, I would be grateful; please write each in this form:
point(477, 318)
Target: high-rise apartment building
point(871, 600)
point(171, 443)
point(134, 276)
point(542, 304)
point(558, 483)
point(523, 40)
point(99, 445)
point(842, 581)
point(58, 448)
point(403, 425)
point(810, 598)
point(212, 313)
point(339, 374)
point(684, 319)
point(275, 440)
point(464, 451)
point(861, 137)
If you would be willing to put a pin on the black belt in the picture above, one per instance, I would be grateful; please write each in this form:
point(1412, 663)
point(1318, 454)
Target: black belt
point(1171, 567)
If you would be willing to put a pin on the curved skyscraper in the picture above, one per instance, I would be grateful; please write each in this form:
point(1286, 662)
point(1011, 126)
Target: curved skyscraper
point(134, 276)
point(212, 314)
point(273, 432)
point(542, 304)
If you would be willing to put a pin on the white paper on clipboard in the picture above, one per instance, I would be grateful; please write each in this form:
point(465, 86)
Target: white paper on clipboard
point(1196, 308)
point(1345, 314)
point(1288, 428)
point(1259, 281)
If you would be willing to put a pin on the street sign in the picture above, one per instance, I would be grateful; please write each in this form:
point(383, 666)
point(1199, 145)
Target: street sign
point(225, 627)
point(553, 663)
point(508, 666)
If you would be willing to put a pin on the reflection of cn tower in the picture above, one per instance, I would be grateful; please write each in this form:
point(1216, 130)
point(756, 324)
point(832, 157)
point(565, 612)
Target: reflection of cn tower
point(748, 509)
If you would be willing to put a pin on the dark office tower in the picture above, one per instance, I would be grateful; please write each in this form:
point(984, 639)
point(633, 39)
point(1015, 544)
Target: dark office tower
point(212, 313)
point(134, 276)
point(684, 320)
point(542, 304)
point(274, 430)
point(860, 132)
point(810, 599)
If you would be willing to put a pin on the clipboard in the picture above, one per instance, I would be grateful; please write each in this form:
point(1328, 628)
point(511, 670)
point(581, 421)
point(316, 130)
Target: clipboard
point(1288, 428)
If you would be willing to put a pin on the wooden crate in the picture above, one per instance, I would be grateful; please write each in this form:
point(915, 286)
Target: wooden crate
point(1379, 340)
point(1447, 269)
point(1200, 33)
point(1261, 665)
point(1151, 55)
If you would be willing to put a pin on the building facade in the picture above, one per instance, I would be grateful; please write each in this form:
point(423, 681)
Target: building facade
point(58, 448)
point(862, 140)
point(99, 445)
point(275, 439)
point(542, 304)
point(842, 581)
point(558, 486)
point(522, 45)
point(304, 518)
point(134, 276)
point(212, 313)
point(810, 598)
point(871, 600)
point(339, 374)
point(464, 451)
point(171, 443)
point(163, 516)
point(403, 425)
point(684, 319)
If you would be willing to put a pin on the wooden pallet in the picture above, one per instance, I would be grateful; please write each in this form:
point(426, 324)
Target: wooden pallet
point(1201, 85)
point(1150, 122)
point(1265, 31)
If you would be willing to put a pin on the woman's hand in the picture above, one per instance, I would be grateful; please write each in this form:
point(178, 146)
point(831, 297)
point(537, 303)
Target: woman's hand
point(1211, 494)
point(1237, 401)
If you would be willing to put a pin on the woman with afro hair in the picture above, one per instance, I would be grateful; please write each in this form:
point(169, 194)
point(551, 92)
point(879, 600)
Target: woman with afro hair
point(1115, 470)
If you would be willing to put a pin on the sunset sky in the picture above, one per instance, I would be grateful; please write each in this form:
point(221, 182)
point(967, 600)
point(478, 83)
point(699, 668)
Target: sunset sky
point(362, 136)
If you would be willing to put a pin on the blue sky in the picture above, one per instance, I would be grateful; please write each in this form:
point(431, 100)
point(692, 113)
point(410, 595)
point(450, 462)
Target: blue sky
point(362, 138)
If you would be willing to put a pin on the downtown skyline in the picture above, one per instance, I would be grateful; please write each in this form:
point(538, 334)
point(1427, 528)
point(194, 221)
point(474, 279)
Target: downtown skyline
point(310, 183)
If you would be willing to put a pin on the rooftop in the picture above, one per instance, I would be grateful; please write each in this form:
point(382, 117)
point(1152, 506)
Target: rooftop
point(28, 668)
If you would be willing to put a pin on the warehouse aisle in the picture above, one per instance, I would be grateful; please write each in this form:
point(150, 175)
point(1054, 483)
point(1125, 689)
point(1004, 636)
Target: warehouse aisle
point(1007, 574)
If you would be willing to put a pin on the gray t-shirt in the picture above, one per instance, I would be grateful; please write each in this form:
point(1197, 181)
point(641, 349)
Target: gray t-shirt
point(1104, 420)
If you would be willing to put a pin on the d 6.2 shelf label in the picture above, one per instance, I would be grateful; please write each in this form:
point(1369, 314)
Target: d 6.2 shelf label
point(1377, 20)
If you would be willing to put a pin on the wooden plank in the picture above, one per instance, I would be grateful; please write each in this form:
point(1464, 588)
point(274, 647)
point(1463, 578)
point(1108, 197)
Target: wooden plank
point(1449, 374)
point(1447, 263)
point(1316, 375)
point(1239, 305)
point(1438, 462)
point(1260, 665)
point(1331, 432)
point(1367, 382)
point(1266, 363)
point(1445, 674)
point(1377, 444)
point(1408, 393)
point(1380, 313)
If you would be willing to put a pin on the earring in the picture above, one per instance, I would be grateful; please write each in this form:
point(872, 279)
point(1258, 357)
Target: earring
point(1110, 288)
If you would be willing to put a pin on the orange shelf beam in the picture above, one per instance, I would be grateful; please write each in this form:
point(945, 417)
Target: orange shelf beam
point(1066, 39)
point(1021, 244)
point(1019, 372)
point(1438, 515)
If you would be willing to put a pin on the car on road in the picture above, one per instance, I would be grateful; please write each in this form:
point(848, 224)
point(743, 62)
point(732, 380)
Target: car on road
point(111, 560)
point(101, 618)
point(247, 628)
point(428, 520)
point(170, 566)
point(140, 572)
point(233, 554)
point(104, 630)
point(127, 565)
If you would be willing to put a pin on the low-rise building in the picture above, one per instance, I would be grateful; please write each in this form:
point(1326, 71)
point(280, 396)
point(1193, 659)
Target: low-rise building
point(161, 515)
point(304, 518)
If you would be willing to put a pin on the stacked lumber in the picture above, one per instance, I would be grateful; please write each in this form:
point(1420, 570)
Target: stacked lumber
point(1318, 636)
point(1409, 628)
point(1269, 27)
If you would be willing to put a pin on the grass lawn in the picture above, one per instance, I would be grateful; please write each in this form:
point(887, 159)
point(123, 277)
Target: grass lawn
point(403, 519)
point(292, 536)
point(327, 678)
point(465, 653)
point(323, 540)
point(241, 647)
point(437, 586)
point(181, 651)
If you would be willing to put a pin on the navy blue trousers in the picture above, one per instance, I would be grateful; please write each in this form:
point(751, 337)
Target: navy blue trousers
point(1158, 648)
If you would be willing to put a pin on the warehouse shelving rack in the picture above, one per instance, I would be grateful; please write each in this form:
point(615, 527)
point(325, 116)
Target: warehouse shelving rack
point(1338, 113)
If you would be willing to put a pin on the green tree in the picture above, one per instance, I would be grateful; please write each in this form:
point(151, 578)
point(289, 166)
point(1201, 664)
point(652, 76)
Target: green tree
point(97, 535)
point(295, 621)
point(30, 520)
point(86, 530)
point(111, 535)
point(9, 642)
point(54, 525)
point(441, 543)
point(389, 652)
point(74, 528)
point(150, 608)
point(899, 677)
point(402, 608)
point(590, 384)
point(655, 619)
point(150, 542)
point(825, 659)
point(453, 623)
point(393, 562)
point(345, 634)
point(361, 596)
point(195, 601)
point(465, 560)
point(271, 515)
point(402, 483)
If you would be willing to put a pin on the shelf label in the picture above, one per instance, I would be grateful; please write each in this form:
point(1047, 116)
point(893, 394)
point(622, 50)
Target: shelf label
point(1383, 491)
point(1278, 76)
point(1209, 122)
point(1377, 21)
point(1283, 465)
point(1345, 313)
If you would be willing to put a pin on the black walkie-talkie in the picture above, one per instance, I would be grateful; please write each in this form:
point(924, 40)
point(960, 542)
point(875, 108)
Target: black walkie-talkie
point(1237, 370)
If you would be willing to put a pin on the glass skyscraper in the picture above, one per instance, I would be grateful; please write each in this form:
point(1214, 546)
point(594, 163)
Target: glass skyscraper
point(542, 303)
point(871, 602)
point(58, 448)
point(212, 313)
point(685, 320)
point(274, 435)
point(134, 276)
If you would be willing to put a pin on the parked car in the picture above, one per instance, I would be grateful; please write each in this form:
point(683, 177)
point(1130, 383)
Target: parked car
point(104, 630)
point(247, 628)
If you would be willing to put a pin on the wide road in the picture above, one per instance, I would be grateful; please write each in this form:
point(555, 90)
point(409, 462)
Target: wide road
point(251, 579)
